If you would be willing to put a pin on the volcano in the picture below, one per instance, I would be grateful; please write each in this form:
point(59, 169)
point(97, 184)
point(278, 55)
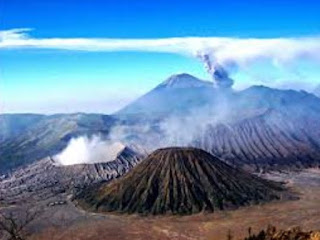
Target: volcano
point(257, 129)
point(179, 93)
point(47, 178)
point(179, 181)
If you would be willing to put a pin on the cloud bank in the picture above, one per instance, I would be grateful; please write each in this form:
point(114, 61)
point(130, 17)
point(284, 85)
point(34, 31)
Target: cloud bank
point(228, 52)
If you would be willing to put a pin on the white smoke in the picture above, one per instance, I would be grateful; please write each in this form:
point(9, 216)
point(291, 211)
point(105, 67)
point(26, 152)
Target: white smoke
point(85, 150)
point(183, 130)
point(173, 129)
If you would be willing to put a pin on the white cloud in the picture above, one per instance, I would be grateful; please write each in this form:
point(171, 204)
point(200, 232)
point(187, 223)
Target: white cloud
point(227, 51)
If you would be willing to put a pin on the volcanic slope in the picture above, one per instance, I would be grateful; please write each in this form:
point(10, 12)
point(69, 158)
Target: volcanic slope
point(179, 181)
point(46, 178)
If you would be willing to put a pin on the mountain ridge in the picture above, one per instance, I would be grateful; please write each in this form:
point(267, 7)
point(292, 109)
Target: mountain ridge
point(240, 127)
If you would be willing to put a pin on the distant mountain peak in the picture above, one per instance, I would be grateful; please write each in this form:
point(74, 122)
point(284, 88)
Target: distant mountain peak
point(184, 80)
point(178, 93)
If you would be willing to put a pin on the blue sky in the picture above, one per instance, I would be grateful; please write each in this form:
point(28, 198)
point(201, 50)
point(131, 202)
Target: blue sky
point(49, 81)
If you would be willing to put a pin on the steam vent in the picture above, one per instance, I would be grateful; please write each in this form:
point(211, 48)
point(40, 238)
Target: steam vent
point(179, 181)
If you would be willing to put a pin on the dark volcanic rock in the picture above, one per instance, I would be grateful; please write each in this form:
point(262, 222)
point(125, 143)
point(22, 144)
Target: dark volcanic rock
point(179, 181)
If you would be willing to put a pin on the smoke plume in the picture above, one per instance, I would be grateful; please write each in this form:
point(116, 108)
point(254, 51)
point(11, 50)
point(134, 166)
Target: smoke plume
point(85, 150)
point(220, 76)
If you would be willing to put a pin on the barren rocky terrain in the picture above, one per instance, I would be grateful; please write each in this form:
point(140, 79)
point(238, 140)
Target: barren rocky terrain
point(47, 179)
point(66, 221)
